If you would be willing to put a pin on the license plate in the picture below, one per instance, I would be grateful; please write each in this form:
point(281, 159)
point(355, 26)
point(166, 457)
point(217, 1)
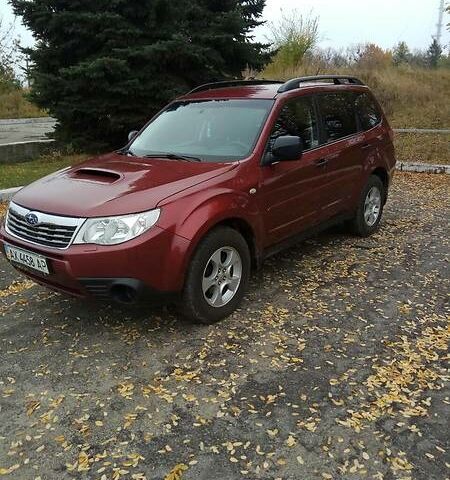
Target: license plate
point(28, 259)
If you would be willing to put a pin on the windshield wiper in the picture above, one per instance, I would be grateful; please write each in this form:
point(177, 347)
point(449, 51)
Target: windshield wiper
point(174, 156)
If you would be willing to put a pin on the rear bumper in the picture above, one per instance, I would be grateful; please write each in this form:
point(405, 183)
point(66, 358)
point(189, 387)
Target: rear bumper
point(154, 262)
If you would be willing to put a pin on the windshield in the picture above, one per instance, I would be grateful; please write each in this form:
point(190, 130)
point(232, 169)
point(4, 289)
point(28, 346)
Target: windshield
point(211, 130)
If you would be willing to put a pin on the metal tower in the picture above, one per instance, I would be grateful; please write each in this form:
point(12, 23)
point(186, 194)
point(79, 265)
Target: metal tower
point(440, 23)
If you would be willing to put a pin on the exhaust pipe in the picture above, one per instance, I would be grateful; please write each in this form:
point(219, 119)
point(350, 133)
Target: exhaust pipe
point(125, 293)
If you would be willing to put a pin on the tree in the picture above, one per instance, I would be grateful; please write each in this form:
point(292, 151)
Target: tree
point(434, 54)
point(104, 67)
point(293, 37)
point(401, 54)
point(9, 57)
point(370, 56)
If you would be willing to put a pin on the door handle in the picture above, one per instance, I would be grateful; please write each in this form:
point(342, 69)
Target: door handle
point(366, 146)
point(322, 162)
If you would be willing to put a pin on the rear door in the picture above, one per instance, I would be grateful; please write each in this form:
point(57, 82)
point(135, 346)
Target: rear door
point(344, 156)
point(291, 192)
point(376, 141)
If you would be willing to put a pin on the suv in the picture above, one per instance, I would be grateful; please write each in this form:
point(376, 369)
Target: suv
point(217, 181)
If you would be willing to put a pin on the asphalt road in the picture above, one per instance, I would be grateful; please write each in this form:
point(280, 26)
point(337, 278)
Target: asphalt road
point(25, 130)
point(334, 368)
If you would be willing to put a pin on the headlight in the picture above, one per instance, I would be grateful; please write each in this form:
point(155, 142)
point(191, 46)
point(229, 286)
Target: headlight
point(114, 230)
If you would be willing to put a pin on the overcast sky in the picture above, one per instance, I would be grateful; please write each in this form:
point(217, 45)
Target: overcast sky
point(342, 22)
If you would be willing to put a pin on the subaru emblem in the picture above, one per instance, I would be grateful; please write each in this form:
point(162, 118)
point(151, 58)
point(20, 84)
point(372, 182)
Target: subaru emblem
point(32, 219)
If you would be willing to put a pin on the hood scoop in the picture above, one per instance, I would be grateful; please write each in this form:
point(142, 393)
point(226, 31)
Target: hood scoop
point(99, 175)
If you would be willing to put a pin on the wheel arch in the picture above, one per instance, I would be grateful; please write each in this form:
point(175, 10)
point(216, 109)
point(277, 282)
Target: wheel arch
point(237, 223)
point(382, 174)
point(246, 230)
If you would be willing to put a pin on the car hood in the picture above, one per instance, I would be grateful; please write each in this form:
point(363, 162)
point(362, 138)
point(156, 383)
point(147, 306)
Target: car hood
point(114, 184)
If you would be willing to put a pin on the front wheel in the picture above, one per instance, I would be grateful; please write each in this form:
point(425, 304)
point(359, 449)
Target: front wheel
point(370, 208)
point(217, 276)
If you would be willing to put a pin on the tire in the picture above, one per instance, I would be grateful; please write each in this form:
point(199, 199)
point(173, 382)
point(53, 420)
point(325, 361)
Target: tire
point(214, 285)
point(370, 208)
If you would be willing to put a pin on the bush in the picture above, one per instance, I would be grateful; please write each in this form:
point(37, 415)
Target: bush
point(370, 57)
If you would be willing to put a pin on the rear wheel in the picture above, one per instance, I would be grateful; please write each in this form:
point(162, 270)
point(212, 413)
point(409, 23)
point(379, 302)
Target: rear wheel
point(370, 208)
point(217, 276)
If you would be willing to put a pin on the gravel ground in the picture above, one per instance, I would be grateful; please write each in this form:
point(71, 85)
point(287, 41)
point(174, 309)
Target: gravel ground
point(333, 368)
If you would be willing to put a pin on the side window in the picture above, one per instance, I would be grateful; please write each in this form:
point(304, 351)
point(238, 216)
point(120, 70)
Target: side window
point(297, 118)
point(338, 115)
point(369, 114)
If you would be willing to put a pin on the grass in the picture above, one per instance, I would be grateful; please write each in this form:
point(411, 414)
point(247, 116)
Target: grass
point(424, 148)
point(18, 174)
point(13, 104)
point(411, 98)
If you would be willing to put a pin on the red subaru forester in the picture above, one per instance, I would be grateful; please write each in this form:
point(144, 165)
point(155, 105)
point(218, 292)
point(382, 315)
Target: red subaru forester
point(216, 182)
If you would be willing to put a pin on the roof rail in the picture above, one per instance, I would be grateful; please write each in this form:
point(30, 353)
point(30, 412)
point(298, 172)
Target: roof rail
point(337, 80)
point(232, 83)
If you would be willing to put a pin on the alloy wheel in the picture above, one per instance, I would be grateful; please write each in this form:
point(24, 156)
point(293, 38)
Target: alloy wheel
point(372, 206)
point(222, 276)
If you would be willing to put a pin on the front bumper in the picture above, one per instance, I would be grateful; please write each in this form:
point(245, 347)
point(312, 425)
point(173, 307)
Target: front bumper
point(155, 261)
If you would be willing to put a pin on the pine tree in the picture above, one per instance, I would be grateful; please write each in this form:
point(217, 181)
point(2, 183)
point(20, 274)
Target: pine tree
point(401, 54)
point(434, 54)
point(104, 67)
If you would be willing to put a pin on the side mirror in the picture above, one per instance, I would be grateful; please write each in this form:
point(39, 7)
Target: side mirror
point(285, 149)
point(132, 134)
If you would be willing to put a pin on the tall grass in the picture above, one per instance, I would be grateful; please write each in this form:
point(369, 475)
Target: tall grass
point(411, 97)
point(13, 104)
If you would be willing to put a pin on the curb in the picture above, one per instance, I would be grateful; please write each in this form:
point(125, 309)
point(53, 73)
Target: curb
point(422, 168)
point(421, 130)
point(6, 195)
point(22, 121)
point(27, 142)
point(24, 151)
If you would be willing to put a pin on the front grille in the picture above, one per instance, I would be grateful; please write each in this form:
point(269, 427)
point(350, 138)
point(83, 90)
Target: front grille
point(51, 230)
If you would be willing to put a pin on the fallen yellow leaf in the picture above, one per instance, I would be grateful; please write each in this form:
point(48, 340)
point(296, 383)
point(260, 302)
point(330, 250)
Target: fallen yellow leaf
point(177, 472)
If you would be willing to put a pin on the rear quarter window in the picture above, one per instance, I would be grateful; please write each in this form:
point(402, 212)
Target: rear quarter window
point(367, 111)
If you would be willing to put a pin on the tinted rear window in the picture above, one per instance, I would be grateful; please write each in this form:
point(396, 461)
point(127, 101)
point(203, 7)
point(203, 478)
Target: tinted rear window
point(367, 110)
point(338, 115)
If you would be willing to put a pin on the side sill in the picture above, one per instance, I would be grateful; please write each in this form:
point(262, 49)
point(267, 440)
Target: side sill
point(300, 237)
